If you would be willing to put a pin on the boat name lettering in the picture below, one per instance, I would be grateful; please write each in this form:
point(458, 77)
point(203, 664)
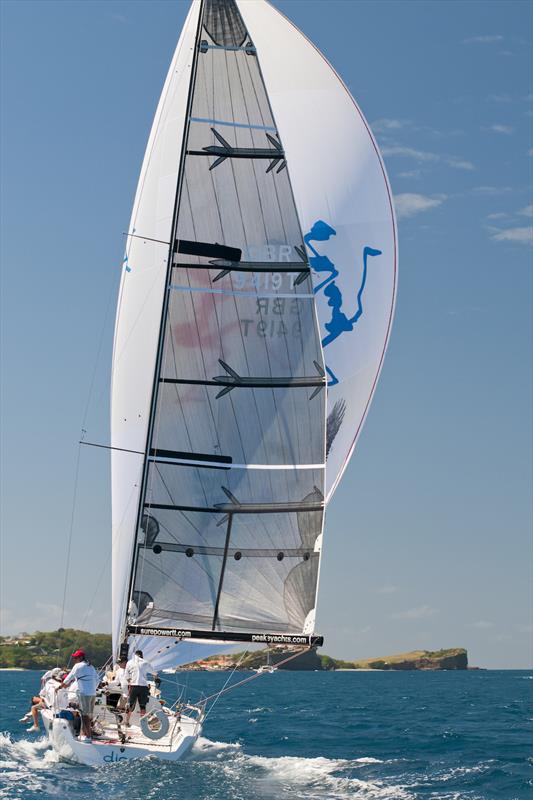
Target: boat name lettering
point(165, 632)
point(269, 637)
point(112, 757)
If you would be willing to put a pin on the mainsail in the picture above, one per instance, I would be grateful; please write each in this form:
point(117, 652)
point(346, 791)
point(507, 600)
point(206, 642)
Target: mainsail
point(219, 403)
point(232, 495)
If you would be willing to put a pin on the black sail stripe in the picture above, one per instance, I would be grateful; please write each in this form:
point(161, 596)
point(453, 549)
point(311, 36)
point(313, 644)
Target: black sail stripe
point(243, 508)
point(162, 454)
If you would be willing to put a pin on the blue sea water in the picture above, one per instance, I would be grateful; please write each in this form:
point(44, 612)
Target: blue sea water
point(309, 735)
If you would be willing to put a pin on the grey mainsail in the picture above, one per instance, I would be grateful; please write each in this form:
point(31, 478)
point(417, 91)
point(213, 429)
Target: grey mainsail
point(232, 499)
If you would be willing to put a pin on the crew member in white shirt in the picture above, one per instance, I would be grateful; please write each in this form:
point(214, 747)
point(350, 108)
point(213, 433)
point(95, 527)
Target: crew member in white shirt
point(137, 670)
point(119, 682)
point(86, 681)
point(53, 699)
point(46, 697)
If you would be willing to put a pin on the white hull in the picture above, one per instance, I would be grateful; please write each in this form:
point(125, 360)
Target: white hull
point(109, 748)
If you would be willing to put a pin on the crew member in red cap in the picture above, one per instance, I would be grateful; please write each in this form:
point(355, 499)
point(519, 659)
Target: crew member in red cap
point(86, 682)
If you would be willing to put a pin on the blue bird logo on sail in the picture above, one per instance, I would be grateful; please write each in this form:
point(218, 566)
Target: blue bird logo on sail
point(340, 322)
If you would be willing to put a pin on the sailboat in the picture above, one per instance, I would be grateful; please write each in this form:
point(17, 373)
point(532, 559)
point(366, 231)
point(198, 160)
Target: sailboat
point(254, 311)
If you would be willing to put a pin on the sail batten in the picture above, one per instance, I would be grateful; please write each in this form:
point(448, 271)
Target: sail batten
point(241, 508)
point(234, 124)
point(240, 293)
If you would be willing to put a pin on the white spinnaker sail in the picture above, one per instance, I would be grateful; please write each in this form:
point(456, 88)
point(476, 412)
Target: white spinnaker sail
point(344, 209)
point(344, 203)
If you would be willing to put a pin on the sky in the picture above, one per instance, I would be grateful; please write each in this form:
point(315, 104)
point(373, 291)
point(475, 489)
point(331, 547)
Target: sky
point(429, 536)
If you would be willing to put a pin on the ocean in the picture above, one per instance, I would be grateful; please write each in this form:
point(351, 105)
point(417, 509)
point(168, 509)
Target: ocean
point(309, 735)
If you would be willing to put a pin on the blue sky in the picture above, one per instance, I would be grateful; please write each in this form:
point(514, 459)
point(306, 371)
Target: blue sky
point(429, 535)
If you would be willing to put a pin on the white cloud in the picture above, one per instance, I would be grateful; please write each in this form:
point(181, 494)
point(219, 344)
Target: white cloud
point(387, 589)
point(527, 211)
point(499, 98)
point(520, 235)
point(481, 624)
point(49, 608)
point(492, 190)
point(458, 163)
point(387, 124)
point(498, 128)
point(425, 156)
point(498, 215)
point(420, 612)
point(530, 151)
point(486, 39)
point(46, 617)
point(409, 203)
point(410, 173)
point(501, 637)
point(409, 152)
point(524, 628)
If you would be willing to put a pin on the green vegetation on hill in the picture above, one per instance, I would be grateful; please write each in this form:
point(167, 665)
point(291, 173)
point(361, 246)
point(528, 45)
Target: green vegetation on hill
point(308, 660)
point(453, 658)
point(42, 650)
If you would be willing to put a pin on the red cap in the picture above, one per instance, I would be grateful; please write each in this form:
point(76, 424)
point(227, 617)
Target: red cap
point(78, 654)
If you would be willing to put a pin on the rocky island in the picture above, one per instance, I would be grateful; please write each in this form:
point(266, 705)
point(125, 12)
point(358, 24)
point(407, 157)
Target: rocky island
point(452, 658)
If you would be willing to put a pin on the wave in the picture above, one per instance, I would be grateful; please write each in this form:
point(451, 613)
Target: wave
point(206, 747)
point(223, 769)
point(22, 762)
point(33, 753)
point(300, 777)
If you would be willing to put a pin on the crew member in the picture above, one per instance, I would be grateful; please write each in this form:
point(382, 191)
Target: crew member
point(118, 684)
point(47, 697)
point(137, 670)
point(86, 682)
